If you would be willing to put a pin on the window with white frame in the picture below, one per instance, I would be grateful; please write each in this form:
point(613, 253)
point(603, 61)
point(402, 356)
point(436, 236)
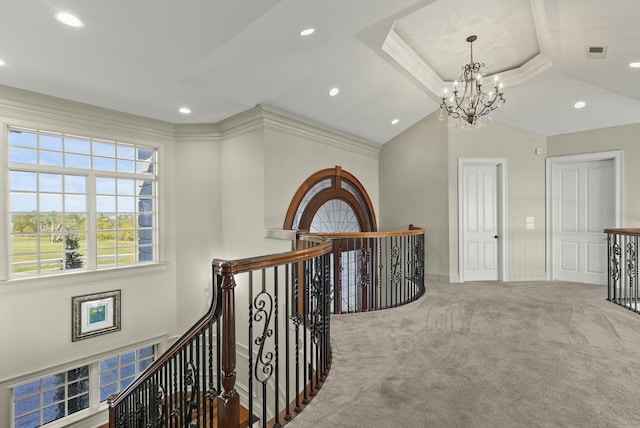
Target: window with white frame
point(53, 397)
point(117, 372)
point(50, 398)
point(79, 202)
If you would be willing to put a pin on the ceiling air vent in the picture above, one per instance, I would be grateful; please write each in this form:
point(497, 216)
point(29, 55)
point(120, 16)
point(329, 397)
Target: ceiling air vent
point(596, 52)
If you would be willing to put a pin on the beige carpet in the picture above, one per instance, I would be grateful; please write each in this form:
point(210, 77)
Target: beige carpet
point(485, 355)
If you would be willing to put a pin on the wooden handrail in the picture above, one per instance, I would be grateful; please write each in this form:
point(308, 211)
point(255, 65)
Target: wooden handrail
point(308, 273)
point(210, 317)
point(232, 267)
point(624, 231)
point(368, 235)
point(221, 266)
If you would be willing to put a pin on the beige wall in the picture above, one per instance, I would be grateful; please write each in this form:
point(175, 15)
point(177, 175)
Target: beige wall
point(242, 195)
point(198, 214)
point(526, 250)
point(626, 138)
point(414, 189)
point(223, 184)
point(423, 161)
point(214, 182)
point(291, 159)
point(35, 314)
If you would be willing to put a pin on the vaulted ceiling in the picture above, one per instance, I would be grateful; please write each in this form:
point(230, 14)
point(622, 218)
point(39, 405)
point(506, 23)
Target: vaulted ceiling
point(389, 58)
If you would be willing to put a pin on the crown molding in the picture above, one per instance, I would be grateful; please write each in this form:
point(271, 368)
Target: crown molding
point(526, 71)
point(406, 57)
point(542, 29)
point(400, 51)
point(59, 114)
point(263, 117)
point(29, 109)
point(197, 133)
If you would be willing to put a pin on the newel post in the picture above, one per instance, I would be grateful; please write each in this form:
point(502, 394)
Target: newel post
point(228, 402)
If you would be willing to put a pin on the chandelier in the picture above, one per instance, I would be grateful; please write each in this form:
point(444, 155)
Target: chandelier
point(467, 109)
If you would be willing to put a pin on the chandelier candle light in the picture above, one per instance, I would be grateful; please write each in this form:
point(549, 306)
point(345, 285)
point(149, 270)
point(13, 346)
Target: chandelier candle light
point(468, 108)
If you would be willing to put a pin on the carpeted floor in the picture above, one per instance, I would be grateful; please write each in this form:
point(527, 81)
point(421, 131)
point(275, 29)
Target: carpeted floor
point(551, 354)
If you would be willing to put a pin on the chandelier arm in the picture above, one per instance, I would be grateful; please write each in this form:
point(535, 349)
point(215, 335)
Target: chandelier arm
point(474, 102)
point(492, 105)
point(460, 101)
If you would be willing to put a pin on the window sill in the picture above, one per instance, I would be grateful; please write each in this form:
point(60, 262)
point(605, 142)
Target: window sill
point(71, 278)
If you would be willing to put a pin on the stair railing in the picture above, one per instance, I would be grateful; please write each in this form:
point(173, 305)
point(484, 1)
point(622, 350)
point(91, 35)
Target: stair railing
point(622, 285)
point(376, 270)
point(263, 349)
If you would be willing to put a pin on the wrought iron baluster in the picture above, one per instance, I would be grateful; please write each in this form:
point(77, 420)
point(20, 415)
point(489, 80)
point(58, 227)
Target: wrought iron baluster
point(615, 267)
point(250, 356)
point(201, 374)
point(175, 412)
point(631, 266)
point(395, 269)
point(635, 274)
point(276, 325)
point(305, 317)
point(296, 320)
point(264, 368)
point(287, 312)
point(212, 391)
point(218, 356)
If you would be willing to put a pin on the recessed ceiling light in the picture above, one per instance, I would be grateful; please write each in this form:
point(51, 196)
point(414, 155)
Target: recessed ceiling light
point(634, 65)
point(394, 121)
point(333, 92)
point(2, 62)
point(579, 104)
point(185, 110)
point(307, 32)
point(69, 19)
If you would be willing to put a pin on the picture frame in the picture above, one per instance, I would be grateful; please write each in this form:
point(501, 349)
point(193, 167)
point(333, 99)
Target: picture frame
point(95, 314)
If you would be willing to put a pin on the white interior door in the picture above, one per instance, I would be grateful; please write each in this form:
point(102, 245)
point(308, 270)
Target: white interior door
point(583, 205)
point(479, 222)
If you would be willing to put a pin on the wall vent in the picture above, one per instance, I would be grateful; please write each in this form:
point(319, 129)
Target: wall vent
point(596, 52)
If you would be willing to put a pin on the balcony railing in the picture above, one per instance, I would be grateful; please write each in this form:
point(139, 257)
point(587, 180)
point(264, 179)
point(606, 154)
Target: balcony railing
point(263, 350)
point(376, 270)
point(623, 247)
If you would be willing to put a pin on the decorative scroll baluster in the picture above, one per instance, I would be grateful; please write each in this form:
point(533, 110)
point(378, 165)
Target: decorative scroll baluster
point(190, 392)
point(614, 266)
point(197, 376)
point(315, 317)
point(364, 276)
point(264, 306)
point(396, 275)
point(327, 316)
point(623, 282)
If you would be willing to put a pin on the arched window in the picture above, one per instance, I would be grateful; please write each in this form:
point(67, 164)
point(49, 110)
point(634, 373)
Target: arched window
point(331, 200)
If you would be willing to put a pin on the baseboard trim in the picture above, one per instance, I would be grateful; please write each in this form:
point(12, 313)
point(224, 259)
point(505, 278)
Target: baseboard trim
point(438, 278)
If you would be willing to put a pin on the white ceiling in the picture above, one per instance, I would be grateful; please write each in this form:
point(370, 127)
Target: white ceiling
point(221, 57)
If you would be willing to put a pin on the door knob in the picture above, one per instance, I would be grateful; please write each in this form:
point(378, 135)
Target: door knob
point(496, 236)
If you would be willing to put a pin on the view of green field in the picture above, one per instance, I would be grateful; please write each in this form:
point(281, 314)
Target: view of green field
point(24, 250)
point(55, 230)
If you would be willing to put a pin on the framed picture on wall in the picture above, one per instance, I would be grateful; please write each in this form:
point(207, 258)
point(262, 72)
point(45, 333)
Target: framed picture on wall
point(95, 314)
